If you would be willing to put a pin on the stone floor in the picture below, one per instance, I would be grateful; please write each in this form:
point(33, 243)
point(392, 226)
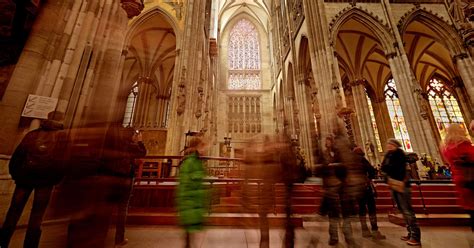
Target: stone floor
point(314, 234)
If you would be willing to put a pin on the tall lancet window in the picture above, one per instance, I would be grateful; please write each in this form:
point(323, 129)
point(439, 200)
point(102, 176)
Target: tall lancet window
point(244, 57)
point(396, 115)
point(444, 105)
point(131, 105)
point(374, 124)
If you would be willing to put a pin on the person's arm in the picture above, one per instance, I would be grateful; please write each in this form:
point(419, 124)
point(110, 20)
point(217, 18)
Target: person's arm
point(371, 173)
point(19, 155)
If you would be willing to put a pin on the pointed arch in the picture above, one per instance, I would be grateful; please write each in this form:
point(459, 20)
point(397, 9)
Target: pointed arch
point(447, 34)
point(372, 23)
point(144, 17)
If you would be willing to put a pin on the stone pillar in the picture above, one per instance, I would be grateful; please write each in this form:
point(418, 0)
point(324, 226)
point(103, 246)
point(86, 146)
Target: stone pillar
point(28, 72)
point(188, 66)
point(463, 99)
point(465, 67)
point(414, 110)
point(382, 117)
point(363, 117)
point(305, 120)
point(322, 62)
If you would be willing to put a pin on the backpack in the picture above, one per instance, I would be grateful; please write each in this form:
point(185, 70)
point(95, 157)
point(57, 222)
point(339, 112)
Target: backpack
point(41, 150)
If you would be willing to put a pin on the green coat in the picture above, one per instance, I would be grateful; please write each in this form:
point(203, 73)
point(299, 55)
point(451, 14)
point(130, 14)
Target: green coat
point(191, 195)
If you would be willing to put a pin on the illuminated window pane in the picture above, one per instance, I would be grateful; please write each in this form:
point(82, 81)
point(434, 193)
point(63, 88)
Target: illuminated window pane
point(130, 107)
point(396, 115)
point(374, 124)
point(244, 57)
point(444, 105)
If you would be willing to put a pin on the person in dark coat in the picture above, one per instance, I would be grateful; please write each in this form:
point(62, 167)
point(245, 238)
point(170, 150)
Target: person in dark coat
point(367, 200)
point(35, 166)
point(342, 186)
point(394, 167)
point(130, 147)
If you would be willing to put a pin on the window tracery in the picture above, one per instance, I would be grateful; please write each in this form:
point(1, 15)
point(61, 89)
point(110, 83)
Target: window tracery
point(444, 105)
point(244, 57)
point(396, 115)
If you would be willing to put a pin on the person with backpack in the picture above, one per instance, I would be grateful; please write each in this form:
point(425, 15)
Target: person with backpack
point(394, 166)
point(36, 166)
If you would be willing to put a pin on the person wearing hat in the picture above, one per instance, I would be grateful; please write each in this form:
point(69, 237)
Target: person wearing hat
point(367, 200)
point(35, 165)
point(394, 167)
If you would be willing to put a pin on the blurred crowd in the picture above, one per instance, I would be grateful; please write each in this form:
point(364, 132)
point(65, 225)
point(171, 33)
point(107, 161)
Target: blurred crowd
point(93, 171)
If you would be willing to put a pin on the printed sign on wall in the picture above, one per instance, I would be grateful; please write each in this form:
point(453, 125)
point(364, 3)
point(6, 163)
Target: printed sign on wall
point(39, 106)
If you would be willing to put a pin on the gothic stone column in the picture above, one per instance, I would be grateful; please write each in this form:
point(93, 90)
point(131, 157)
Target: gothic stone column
point(364, 119)
point(416, 118)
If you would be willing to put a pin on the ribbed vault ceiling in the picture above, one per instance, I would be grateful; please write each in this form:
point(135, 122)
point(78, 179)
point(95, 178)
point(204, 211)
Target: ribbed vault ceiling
point(360, 55)
point(426, 53)
point(152, 53)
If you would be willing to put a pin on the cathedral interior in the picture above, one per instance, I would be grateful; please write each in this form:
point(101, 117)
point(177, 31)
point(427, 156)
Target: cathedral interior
point(233, 70)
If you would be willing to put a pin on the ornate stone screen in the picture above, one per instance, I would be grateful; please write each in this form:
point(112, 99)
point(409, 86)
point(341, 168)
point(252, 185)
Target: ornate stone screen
point(244, 114)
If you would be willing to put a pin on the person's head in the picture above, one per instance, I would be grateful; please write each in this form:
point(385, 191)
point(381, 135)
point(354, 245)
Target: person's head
point(56, 116)
point(471, 126)
point(329, 142)
point(55, 121)
point(358, 150)
point(393, 144)
point(455, 135)
point(196, 144)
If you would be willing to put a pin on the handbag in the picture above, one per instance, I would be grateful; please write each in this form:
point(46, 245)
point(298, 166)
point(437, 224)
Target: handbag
point(396, 185)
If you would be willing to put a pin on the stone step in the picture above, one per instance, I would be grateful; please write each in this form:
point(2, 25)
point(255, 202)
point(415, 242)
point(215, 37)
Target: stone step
point(279, 200)
point(215, 219)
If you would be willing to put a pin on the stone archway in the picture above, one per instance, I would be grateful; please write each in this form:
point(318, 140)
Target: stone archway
point(150, 64)
point(361, 44)
point(436, 56)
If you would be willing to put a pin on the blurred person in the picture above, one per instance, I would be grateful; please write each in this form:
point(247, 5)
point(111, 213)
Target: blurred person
point(458, 151)
point(293, 171)
point(394, 166)
point(95, 195)
point(367, 200)
point(130, 147)
point(342, 186)
point(36, 166)
point(262, 163)
point(191, 195)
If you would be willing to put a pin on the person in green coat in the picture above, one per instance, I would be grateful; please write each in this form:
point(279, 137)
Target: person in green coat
point(191, 195)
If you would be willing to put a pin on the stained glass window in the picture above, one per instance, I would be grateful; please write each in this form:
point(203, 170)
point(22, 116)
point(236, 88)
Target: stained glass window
point(444, 105)
point(130, 107)
point(396, 115)
point(244, 57)
point(374, 124)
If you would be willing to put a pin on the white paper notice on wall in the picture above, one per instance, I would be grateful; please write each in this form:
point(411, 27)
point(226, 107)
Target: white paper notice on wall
point(39, 106)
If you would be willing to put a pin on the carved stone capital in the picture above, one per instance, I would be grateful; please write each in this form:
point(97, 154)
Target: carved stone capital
point(132, 7)
point(459, 57)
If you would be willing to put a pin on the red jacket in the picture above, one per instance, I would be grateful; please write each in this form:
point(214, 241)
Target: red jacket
point(452, 153)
